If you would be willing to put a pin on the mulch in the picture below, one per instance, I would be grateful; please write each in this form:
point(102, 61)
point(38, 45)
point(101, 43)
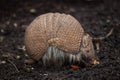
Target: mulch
point(97, 18)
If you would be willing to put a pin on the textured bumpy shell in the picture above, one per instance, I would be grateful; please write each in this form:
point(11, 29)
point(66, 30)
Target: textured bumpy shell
point(61, 30)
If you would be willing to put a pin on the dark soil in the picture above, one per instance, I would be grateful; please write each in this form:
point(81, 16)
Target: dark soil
point(97, 18)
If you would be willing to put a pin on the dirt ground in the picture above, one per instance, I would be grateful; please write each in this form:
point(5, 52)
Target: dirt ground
point(97, 18)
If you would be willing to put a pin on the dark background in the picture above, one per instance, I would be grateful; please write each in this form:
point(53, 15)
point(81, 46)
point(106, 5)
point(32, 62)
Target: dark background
point(97, 18)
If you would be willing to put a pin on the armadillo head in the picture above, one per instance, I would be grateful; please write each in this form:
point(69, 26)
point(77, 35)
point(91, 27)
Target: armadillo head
point(88, 53)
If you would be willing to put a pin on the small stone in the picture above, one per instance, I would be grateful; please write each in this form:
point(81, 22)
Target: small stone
point(8, 22)
point(28, 69)
point(108, 21)
point(26, 55)
point(32, 68)
point(15, 24)
point(2, 62)
point(33, 10)
point(1, 38)
point(2, 31)
point(17, 57)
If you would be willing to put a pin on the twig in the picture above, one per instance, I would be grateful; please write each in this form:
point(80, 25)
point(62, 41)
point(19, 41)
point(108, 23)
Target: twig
point(102, 38)
point(13, 65)
point(67, 76)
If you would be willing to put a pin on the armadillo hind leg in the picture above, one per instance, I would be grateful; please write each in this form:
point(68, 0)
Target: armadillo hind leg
point(55, 55)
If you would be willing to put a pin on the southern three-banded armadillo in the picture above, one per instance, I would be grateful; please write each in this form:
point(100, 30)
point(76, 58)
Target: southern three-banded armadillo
point(56, 37)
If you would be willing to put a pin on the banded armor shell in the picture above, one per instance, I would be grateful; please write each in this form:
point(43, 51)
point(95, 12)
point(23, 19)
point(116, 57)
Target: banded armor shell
point(60, 32)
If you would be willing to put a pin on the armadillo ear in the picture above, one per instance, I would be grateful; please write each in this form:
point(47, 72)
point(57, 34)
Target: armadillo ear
point(85, 40)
